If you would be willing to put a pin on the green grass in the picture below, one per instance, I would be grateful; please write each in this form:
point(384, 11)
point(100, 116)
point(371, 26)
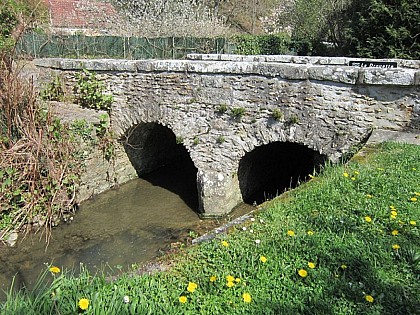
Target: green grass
point(353, 258)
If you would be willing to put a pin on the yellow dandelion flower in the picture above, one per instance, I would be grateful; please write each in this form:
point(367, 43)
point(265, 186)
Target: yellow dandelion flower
point(392, 207)
point(310, 232)
point(413, 223)
point(343, 266)
point(393, 216)
point(394, 213)
point(213, 278)
point(311, 265)
point(369, 298)
point(416, 193)
point(230, 284)
point(191, 287)
point(413, 199)
point(183, 299)
point(345, 174)
point(83, 304)
point(225, 244)
point(247, 297)
point(396, 246)
point(291, 233)
point(368, 219)
point(263, 259)
point(237, 280)
point(369, 196)
point(356, 172)
point(54, 269)
point(229, 278)
point(380, 169)
point(394, 232)
point(303, 273)
point(353, 178)
point(311, 176)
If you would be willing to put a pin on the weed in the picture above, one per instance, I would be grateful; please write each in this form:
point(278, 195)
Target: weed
point(238, 112)
point(222, 108)
point(53, 91)
point(179, 140)
point(107, 142)
point(90, 92)
point(277, 114)
point(196, 140)
point(293, 120)
point(220, 139)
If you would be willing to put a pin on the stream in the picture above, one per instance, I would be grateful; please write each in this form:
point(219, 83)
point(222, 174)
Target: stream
point(130, 225)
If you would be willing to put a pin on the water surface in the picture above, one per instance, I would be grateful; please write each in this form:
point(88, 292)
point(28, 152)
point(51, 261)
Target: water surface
point(130, 225)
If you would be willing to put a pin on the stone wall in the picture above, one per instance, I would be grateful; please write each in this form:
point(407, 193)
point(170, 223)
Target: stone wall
point(326, 108)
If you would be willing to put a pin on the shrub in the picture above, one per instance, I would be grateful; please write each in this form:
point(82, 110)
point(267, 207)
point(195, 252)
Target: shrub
point(90, 92)
point(53, 91)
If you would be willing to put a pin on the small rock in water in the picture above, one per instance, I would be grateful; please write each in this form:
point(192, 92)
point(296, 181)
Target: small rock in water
point(12, 239)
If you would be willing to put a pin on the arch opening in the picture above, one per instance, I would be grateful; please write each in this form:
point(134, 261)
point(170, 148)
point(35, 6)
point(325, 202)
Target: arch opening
point(271, 169)
point(158, 158)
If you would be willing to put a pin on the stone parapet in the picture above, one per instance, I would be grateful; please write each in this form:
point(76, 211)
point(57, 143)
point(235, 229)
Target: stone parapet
point(297, 68)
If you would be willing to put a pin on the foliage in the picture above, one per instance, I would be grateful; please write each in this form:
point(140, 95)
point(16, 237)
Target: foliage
point(220, 139)
point(383, 29)
point(237, 112)
point(347, 242)
point(310, 23)
point(262, 44)
point(106, 137)
point(176, 18)
point(277, 114)
point(38, 172)
point(16, 17)
point(222, 108)
point(90, 92)
point(53, 91)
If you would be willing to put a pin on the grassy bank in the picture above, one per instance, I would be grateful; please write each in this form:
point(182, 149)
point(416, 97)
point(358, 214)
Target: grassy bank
point(346, 242)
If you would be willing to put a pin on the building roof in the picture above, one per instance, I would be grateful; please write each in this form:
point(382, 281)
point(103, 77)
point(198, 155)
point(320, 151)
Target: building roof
point(84, 14)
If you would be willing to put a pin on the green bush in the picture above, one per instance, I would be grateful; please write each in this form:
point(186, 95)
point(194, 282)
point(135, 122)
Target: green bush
point(262, 44)
point(383, 29)
point(90, 92)
point(53, 91)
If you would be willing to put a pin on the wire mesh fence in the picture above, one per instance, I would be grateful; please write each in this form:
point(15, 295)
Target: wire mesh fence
point(37, 45)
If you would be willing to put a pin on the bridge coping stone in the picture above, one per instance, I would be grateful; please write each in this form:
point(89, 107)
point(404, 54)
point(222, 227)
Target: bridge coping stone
point(285, 67)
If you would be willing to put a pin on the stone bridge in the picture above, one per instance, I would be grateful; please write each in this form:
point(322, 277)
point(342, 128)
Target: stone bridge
point(247, 127)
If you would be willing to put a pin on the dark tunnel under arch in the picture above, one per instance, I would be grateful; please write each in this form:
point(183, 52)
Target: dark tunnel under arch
point(158, 158)
point(269, 170)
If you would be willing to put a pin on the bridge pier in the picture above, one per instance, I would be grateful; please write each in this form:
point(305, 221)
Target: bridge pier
point(218, 193)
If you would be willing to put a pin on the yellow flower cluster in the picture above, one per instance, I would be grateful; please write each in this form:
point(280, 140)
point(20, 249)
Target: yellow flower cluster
point(192, 286)
point(352, 177)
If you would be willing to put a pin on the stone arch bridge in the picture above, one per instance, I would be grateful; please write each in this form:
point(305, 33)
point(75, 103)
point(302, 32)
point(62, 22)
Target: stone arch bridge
point(249, 125)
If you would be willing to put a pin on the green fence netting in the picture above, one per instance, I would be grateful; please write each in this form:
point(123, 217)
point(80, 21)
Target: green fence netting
point(80, 46)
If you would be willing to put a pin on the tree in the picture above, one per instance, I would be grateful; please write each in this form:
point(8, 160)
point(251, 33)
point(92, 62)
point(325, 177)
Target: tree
point(383, 29)
point(16, 16)
point(310, 21)
point(177, 18)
